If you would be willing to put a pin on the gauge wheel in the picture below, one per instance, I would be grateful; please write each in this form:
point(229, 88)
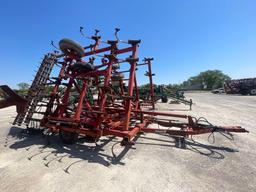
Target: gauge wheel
point(69, 46)
point(83, 66)
point(117, 76)
point(91, 139)
point(68, 137)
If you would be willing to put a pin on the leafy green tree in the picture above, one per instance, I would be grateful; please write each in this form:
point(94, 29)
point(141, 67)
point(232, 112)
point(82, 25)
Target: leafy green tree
point(23, 88)
point(210, 79)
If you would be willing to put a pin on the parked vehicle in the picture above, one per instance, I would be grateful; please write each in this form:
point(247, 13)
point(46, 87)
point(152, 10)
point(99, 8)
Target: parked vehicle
point(218, 91)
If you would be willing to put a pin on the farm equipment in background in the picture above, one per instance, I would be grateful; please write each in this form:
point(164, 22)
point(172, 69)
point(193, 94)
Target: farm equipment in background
point(160, 92)
point(241, 86)
point(96, 94)
point(176, 96)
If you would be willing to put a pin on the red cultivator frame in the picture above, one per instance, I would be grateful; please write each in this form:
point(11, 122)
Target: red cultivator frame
point(101, 99)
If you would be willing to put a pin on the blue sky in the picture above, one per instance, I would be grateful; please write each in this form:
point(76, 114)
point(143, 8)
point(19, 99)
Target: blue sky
point(184, 36)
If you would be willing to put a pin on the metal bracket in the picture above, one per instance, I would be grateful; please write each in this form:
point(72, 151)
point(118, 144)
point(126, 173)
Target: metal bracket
point(81, 31)
point(116, 31)
point(96, 32)
point(52, 44)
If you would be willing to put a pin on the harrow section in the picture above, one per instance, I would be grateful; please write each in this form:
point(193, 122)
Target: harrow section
point(35, 92)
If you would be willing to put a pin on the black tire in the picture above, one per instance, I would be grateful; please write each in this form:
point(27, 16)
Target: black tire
point(116, 66)
point(91, 139)
point(83, 66)
point(244, 92)
point(164, 99)
point(68, 46)
point(253, 92)
point(68, 137)
point(117, 76)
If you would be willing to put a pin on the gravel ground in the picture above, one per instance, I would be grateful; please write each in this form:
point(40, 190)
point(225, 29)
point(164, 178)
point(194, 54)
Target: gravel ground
point(155, 163)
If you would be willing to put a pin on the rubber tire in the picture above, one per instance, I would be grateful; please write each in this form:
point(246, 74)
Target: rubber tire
point(253, 92)
point(244, 92)
point(83, 66)
point(116, 66)
point(91, 139)
point(67, 46)
point(68, 137)
point(117, 76)
point(164, 99)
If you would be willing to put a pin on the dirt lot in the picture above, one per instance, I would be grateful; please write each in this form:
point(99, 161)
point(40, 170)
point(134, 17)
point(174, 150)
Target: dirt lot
point(155, 163)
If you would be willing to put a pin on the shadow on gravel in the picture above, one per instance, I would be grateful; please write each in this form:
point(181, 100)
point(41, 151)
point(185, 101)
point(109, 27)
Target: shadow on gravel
point(93, 153)
point(211, 151)
point(96, 153)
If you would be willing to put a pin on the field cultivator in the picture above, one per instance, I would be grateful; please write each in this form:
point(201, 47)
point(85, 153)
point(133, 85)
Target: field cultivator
point(96, 93)
point(175, 96)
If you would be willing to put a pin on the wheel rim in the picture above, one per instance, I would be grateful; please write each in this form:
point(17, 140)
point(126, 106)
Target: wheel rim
point(253, 92)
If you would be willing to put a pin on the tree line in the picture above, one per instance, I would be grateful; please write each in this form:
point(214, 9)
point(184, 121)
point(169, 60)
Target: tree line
point(207, 80)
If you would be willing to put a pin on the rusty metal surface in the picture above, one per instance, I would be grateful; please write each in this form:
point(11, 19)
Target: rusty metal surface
point(11, 98)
